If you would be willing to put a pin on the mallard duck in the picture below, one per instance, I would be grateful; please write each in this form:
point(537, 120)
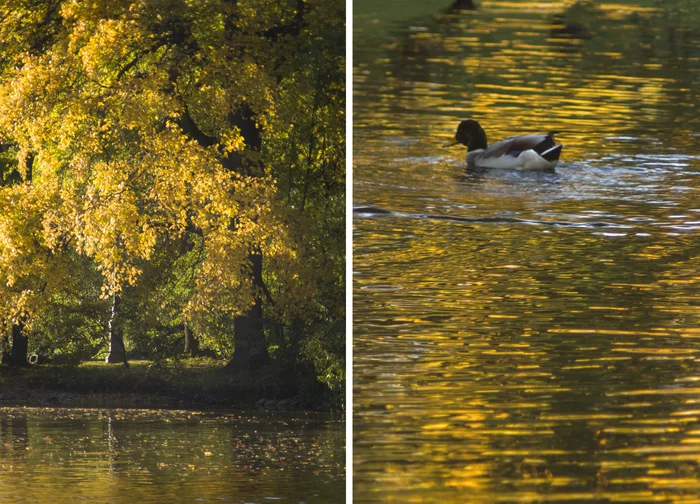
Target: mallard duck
point(536, 152)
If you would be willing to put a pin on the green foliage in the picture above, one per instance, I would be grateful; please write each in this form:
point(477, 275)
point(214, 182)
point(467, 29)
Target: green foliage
point(8, 166)
point(325, 348)
point(307, 157)
point(153, 309)
point(73, 326)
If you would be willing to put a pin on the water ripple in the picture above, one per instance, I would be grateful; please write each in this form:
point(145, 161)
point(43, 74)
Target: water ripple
point(527, 337)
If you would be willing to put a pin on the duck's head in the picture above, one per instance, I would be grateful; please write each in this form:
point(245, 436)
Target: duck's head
point(471, 134)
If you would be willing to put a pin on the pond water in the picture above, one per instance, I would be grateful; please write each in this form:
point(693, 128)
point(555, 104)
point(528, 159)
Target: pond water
point(527, 337)
point(142, 456)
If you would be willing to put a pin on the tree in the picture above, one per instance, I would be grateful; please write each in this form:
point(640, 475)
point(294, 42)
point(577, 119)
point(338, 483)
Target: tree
point(29, 271)
point(307, 155)
point(149, 123)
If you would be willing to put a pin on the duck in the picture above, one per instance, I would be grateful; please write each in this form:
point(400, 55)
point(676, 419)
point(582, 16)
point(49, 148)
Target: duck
point(533, 152)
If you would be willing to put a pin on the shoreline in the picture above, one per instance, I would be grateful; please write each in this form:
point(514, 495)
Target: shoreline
point(119, 400)
point(192, 384)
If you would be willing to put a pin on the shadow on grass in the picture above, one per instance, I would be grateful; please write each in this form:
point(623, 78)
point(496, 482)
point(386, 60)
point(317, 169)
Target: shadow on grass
point(194, 383)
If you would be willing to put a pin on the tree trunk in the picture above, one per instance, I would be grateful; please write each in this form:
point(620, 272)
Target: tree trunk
point(20, 346)
point(4, 349)
point(250, 350)
point(117, 351)
point(250, 347)
point(191, 345)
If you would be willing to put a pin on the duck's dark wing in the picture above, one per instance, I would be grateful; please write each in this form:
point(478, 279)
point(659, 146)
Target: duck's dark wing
point(513, 146)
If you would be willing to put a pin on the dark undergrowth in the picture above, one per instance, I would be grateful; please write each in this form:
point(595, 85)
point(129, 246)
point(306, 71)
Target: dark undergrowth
point(173, 383)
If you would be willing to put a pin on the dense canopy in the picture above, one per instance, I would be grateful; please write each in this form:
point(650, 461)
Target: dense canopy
point(192, 153)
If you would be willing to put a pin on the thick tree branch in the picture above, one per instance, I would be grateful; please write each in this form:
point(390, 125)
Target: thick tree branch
point(129, 66)
point(266, 291)
point(190, 128)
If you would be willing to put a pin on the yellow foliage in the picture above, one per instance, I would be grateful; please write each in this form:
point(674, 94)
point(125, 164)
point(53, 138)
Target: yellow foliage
point(102, 108)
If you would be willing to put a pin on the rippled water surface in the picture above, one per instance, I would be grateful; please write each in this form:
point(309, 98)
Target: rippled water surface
point(527, 337)
point(133, 456)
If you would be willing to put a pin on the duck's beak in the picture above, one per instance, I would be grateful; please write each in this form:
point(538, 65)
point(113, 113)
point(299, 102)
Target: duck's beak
point(451, 143)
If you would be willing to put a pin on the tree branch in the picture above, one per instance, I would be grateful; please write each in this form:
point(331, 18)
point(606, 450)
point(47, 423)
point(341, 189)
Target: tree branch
point(190, 128)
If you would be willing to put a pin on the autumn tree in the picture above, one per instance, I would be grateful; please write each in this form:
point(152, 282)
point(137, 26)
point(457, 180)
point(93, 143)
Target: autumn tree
point(29, 271)
point(139, 125)
point(307, 155)
point(148, 124)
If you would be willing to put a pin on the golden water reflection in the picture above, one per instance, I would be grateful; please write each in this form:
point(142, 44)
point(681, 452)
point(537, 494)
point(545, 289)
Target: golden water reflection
point(527, 337)
point(126, 456)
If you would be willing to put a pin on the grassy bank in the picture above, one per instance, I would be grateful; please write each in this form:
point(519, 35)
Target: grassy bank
point(185, 383)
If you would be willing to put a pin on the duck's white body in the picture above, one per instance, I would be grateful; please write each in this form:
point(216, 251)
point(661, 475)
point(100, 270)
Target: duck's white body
point(527, 160)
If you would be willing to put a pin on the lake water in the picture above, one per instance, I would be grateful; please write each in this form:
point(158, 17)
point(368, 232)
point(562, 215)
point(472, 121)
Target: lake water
point(527, 337)
point(142, 456)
